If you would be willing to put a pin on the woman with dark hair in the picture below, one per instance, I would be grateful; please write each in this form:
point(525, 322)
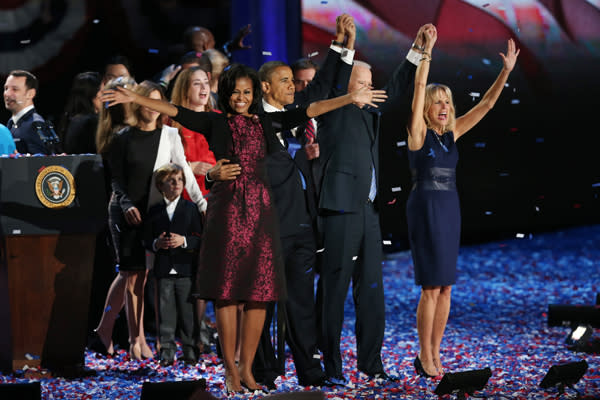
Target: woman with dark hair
point(78, 124)
point(240, 258)
point(433, 211)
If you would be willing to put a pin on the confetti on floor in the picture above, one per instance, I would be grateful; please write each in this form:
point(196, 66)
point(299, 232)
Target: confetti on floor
point(498, 320)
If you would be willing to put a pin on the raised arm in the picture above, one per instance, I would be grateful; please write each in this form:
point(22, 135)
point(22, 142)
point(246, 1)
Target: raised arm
point(416, 124)
point(475, 114)
point(123, 95)
point(362, 96)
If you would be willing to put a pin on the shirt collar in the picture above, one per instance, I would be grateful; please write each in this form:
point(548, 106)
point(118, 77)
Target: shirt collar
point(269, 108)
point(18, 115)
point(171, 203)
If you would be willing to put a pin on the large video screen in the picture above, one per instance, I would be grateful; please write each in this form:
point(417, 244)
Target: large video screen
point(533, 163)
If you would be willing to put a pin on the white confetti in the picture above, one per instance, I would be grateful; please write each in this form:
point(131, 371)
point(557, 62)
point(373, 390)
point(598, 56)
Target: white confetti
point(401, 144)
point(27, 41)
point(354, 258)
point(387, 242)
point(520, 235)
point(396, 189)
point(267, 53)
point(320, 250)
point(96, 21)
point(474, 94)
point(488, 213)
point(486, 61)
point(515, 101)
point(313, 54)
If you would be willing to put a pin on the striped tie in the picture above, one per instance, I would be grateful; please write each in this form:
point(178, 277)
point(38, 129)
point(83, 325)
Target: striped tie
point(310, 129)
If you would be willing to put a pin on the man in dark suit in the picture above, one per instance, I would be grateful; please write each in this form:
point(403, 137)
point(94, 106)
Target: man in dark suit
point(291, 180)
point(349, 147)
point(172, 231)
point(26, 126)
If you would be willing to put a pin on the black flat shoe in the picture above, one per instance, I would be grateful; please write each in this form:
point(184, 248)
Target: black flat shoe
point(382, 376)
point(420, 370)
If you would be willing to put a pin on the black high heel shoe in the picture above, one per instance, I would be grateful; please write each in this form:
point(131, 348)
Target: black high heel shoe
point(258, 389)
point(420, 370)
point(96, 344)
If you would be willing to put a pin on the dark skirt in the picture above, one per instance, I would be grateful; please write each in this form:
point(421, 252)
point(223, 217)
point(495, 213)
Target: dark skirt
point(433, 218)
point(128, 241)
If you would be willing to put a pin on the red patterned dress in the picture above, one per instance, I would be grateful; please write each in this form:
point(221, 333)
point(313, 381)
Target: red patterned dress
point(240, 258)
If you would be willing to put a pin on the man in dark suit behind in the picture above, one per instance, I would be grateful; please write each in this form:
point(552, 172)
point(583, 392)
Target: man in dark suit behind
point(349, 147)
point(291, 180)
point(20, 89)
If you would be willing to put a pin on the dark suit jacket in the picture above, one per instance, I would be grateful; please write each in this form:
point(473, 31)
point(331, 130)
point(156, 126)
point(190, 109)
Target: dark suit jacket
point(186, 222)
point(349, 146)
point(26, 137)
point(297, 208)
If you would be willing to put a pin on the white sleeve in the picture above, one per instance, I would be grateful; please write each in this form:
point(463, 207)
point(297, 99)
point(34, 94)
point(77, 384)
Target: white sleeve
point(178, 157)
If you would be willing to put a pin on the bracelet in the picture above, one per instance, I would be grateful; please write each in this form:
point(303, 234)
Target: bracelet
point(336, 43)
point(207, 177)
point(425, 59)
point(415, 46)
point(426, 54)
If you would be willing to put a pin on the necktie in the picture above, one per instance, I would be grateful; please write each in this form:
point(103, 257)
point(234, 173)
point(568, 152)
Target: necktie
point(292, 147)
point(310, 129)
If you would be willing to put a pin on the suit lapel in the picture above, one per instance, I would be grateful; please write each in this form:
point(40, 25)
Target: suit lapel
point(368, 121)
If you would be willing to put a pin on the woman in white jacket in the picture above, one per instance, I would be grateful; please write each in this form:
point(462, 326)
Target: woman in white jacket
point(135, 153)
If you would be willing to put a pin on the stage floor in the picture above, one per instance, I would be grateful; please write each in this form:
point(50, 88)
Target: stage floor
point(498, 320)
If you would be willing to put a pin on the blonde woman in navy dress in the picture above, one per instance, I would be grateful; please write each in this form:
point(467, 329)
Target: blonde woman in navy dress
point(433, 210)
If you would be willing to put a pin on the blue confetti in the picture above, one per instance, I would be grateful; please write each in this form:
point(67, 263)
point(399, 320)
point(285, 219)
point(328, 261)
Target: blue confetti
point(153, 51)
point(498, 319)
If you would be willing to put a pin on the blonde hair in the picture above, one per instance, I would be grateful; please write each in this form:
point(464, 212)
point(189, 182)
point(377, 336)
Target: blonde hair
point(112, 119)
point(144, 89)
point(431, 93)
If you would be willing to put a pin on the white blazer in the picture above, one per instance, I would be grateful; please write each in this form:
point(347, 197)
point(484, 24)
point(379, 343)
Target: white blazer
point(170, 150)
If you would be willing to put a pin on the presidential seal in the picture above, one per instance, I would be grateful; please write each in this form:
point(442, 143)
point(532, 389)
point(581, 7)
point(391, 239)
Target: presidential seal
point(55, 187)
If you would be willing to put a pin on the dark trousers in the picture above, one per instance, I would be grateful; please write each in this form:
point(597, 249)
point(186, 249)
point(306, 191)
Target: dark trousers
point(353, 250)
point(299, 314)
point(174, 307)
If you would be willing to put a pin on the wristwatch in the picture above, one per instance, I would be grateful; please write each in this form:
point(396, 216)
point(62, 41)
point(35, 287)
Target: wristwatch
point(420, 48)
point(336, 43)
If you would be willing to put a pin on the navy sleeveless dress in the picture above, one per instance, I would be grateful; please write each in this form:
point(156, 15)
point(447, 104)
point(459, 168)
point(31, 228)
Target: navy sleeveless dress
point(433, 210)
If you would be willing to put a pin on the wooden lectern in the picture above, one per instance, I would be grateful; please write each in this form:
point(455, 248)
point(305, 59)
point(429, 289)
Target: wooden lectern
point(50, 211)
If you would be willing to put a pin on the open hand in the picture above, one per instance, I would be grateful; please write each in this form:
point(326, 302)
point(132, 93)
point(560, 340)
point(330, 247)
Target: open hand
point(510, 58)
point(224, 172)
point(237, 43)
point(119, 95)
point(365, 95)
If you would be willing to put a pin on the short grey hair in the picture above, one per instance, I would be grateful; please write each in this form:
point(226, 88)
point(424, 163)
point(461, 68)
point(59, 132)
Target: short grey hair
point(358, 63)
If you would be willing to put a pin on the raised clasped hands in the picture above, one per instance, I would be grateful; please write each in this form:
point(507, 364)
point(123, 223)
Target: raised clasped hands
point(424, 36)
point(366, 95)
point(510, 58)
point(223, 171)
point(430, 37)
